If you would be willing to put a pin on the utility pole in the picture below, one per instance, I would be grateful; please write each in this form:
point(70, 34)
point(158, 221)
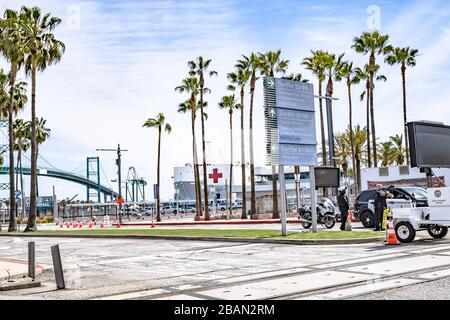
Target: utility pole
point(119, 175)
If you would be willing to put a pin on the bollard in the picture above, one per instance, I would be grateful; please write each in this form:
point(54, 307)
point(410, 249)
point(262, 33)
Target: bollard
point(57, 266)
point(31, 260)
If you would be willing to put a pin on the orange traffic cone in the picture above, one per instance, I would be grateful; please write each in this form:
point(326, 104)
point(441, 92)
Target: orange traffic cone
point(392, 236)
point(90, 225)
point(350, 215)
point(118, 226)
point(102, 226)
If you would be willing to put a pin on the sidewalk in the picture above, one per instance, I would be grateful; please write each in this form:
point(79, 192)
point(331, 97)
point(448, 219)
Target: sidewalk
point(16, 269)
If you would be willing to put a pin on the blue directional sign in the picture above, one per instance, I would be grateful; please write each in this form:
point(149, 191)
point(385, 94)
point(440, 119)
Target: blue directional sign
point(290, 122)
point(296, 126)
point(294, 95)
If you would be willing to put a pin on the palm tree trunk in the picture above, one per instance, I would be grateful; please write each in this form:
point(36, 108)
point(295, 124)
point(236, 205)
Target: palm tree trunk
point(37, 176)
point(205, 168)
point(158, 198)
point(252, 160)
point(231, 164)
point(358, 171)
point(369, 147)
point(372, 112)
point(12, 201)
point(405, 116)
point(244, 185)
point(352, 142)
point(198, 202)
point(31, 226)
point(18, 172)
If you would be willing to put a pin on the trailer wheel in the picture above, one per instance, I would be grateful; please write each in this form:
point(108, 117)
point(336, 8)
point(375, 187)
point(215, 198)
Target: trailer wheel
point(438, 232)
point(405, 232)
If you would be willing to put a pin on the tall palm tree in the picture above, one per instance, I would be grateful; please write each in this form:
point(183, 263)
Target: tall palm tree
point(21, 145)
point(42, 49)
point(317, 64)
point(405, 57)
point(199, 68)
point(398, 150)
point(372, 44)
point(385, 153)
point(271, 63)
point(252, 63)
point(348, 73)
point(230, 104)
point(12, 49)
point(364, 75)
point(159, 123)
point(239, 79)
point(191, 86)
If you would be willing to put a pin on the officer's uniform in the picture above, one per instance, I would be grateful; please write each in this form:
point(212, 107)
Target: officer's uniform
point(343, 208)
point(380, 206)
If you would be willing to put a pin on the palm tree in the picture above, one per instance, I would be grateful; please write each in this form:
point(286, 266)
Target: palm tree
point(348, 73)
point(252, 63)
point(21, 145)
point(230, 104)
point(159, 123)
point(406, 57)
point(199, 68)
point(317, 65)
point(271, 63)
point(42, 49)
point(191, 86)
point(364, 75)
point(240, 79)
point(12, 48)
point(373, 44)
point(385, 153)
point(398, 151)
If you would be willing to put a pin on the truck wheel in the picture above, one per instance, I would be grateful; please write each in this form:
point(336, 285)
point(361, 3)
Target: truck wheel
point(405, 232)
point(438, 232)
point(306, 225)
point(367, 219)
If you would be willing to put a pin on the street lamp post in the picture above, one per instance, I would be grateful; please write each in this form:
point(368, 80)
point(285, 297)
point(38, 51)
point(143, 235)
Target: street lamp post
point(119, 174)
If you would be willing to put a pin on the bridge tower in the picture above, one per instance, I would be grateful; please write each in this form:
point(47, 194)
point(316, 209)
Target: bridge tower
point(93, 173)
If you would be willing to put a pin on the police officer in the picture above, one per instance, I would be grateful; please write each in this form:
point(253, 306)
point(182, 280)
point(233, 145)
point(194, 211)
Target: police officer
point(380, 205)
point(343, 206)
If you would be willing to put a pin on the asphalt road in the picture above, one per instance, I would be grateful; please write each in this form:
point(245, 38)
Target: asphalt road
point(154, 269)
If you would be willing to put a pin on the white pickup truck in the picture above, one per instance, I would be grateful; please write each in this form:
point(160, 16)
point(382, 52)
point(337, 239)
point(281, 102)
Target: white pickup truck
point(435, 218)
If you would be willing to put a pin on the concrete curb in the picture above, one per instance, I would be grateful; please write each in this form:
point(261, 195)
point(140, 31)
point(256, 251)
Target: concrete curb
point(210, 239)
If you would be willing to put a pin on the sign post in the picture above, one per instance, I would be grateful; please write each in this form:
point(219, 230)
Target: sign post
point(290, 132)
point(283, 201)
point(312, 176)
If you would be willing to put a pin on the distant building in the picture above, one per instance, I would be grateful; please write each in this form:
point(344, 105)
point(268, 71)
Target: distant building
point(218, 177)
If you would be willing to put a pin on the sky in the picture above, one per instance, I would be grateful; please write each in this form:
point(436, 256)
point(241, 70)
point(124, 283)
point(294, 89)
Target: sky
point(124, 58)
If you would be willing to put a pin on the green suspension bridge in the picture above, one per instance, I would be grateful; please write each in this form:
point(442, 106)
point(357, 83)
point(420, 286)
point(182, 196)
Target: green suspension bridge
point(135, 187)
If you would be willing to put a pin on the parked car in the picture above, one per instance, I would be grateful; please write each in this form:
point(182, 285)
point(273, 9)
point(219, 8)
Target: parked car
point(363, 210)
point(169, 209)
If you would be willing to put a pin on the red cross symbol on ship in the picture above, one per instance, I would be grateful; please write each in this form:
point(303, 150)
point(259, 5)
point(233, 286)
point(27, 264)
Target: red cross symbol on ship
point(216, 176)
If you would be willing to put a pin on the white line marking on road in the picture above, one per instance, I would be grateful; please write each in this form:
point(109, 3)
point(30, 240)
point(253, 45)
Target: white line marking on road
point(135, 295)
point(432, 275)
point(362, 289)
point(401, 266)
point(360, 260)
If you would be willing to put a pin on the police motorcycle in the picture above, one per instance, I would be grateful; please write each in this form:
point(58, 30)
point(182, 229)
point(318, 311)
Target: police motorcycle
point(325, 214)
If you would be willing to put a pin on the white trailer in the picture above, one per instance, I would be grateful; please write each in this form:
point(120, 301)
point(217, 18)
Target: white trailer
point(435, 218)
